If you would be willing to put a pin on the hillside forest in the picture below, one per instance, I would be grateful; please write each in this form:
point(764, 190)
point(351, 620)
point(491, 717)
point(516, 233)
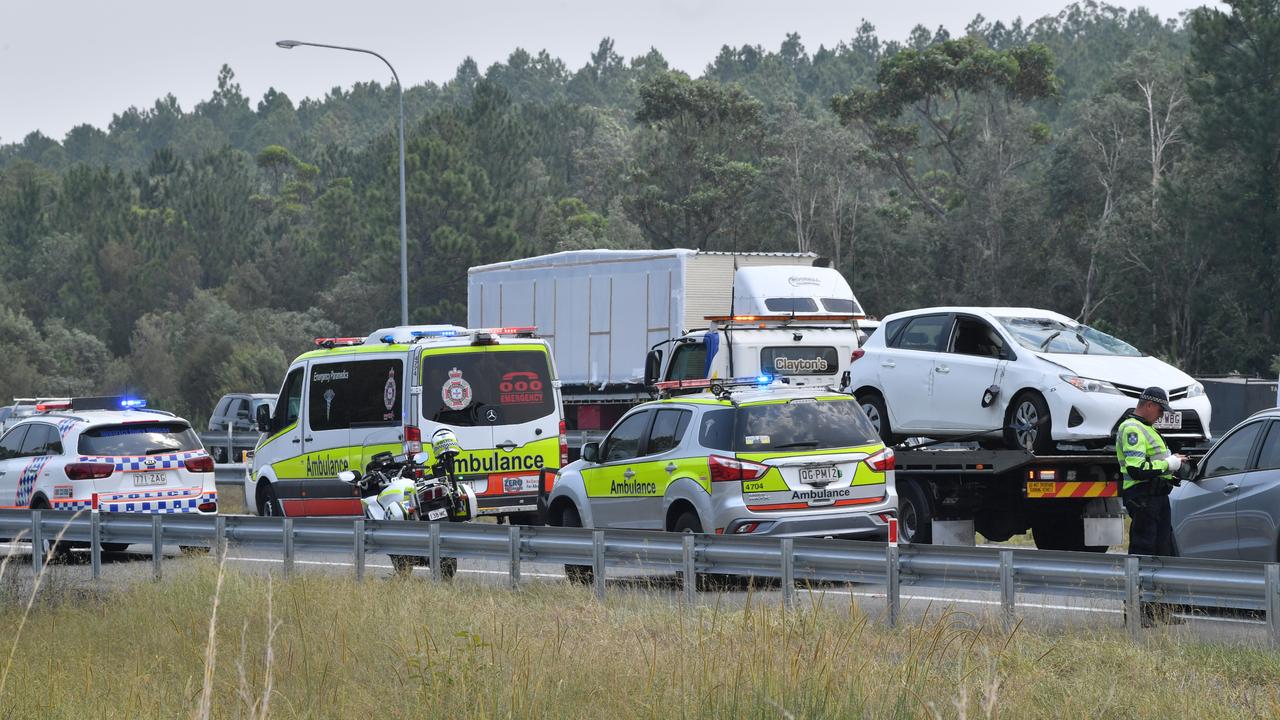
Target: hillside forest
point(1105, 163)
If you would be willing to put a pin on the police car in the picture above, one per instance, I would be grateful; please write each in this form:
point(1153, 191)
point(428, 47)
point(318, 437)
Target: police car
point(744, 456)
point(108, 453)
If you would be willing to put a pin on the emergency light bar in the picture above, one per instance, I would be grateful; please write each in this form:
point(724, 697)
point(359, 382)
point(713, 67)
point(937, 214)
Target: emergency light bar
point(783, 318)
point(667, 386)
point(329, 343)
point(104, 402)
point(521, 330)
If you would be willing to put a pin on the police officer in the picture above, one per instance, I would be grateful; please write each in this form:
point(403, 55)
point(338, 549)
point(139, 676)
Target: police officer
point(1149, 473)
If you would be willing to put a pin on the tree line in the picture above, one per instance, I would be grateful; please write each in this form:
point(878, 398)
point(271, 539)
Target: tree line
point(1101, 162)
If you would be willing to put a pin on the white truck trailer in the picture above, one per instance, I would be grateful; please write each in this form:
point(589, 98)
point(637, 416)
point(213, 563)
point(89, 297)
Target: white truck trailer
point(618, 320)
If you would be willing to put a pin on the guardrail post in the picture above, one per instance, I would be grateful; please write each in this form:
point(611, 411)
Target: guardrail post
point(892, 599)
point(1006, 585)
point(287, 528)
point(437, 573)
point(357, 548)
point(37, 543)
point(157, 545)
point(597, 562)
point(690, 579)
point(95, 543)
point(1132, 596)
point(514, 538)
point(788, 574)
point(220, 537)
point(1273, 602)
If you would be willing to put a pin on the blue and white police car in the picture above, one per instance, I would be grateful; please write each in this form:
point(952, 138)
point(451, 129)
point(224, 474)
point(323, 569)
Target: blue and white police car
point(111, 453)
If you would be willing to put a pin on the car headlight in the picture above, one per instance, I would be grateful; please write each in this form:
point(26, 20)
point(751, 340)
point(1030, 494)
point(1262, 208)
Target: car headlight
point(1195, 390)
point(1090, 385)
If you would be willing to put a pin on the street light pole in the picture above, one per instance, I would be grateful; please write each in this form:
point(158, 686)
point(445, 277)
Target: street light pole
point(404, 235)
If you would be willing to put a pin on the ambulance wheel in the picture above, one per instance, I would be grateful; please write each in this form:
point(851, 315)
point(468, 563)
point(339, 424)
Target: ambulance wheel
point(580, 574)
point(404, 564)
point(268, 504)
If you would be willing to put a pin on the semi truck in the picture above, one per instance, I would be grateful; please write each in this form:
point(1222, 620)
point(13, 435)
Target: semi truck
point(620, 320)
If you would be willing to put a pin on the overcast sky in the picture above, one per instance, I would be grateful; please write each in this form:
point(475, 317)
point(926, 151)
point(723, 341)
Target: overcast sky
point(63, 63)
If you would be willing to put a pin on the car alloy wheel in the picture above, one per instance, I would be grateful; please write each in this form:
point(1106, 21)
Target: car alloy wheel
point(1026, 424)
point(873, 414)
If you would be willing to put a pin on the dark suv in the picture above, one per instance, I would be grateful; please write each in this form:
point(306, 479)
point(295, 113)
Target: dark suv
point(233, 416)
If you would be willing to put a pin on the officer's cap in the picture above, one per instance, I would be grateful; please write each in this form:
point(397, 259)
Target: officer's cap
point(1156, 395)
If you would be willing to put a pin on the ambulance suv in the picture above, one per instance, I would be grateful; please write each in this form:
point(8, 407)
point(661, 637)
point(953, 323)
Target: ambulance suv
point(109, 452)
point(353, 398)
point(742, 457)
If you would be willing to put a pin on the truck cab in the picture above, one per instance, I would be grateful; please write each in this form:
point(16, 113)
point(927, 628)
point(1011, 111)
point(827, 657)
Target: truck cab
point(804, 352)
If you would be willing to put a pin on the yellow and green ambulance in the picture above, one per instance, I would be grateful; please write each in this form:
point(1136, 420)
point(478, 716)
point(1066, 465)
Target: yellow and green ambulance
point(740, 457)
point(351, 398)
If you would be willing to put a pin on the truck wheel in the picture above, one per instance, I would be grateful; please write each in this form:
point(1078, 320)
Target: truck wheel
point(1027, 426)
point(873, 405)
point(1056, 532)
point(915, 513)
point(580, 574)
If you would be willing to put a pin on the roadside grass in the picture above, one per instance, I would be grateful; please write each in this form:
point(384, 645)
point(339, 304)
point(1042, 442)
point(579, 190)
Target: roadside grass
point(320, 646)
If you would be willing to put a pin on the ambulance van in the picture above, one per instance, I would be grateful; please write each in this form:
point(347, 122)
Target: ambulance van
point(352, 398)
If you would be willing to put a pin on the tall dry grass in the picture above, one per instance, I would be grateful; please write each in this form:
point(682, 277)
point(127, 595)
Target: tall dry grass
point(321, 646)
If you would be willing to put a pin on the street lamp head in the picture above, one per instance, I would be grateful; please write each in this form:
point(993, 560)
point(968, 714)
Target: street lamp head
point(287, 44)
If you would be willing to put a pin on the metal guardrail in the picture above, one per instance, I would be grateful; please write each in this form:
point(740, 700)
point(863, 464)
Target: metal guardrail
point(1230, 584)
point(228, 446)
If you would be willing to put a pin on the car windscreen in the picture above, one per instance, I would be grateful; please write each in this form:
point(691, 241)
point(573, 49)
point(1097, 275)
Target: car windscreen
point(491, 387)
point(795, 426)
point(144, 438)
point(1054, 336)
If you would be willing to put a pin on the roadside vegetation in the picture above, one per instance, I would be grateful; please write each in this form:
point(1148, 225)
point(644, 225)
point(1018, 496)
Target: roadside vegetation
point(320, 646)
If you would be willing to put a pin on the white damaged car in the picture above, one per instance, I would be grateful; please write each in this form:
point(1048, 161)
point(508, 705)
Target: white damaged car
point(1032, 378)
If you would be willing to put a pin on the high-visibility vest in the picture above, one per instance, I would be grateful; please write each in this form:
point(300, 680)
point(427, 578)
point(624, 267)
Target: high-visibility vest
point(1139, 446)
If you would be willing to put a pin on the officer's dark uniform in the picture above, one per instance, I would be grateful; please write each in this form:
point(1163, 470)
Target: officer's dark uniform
point(1147, 481)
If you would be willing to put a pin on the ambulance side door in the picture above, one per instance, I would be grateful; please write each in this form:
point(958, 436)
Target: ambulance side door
point(284, 447)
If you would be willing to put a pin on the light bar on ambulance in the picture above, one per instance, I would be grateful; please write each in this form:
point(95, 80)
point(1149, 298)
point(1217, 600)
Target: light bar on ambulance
point(783, 318)
point(327, 343)
point(753, 380)
point(524, 330)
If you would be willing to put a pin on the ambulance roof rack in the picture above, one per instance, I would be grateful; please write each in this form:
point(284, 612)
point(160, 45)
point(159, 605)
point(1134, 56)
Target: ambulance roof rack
point(720, 387)
point(328, 343)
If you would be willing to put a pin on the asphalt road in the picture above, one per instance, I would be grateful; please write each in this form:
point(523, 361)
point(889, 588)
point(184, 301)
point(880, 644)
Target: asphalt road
point(1041, 613)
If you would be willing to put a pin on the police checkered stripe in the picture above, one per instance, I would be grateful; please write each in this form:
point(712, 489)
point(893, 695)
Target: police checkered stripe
point(27, 480)
point(157, 506)
point(64, 427)
point(139, 463)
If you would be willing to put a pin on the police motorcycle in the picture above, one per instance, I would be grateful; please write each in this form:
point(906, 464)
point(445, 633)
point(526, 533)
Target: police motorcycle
point(402, 487)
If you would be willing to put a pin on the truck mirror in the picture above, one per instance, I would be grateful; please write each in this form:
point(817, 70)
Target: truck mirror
point(591, 452)
point(652, 367)
point(263, 419)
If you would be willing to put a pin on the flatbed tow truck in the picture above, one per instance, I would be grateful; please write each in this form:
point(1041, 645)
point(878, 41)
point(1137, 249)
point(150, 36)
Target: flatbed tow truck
point(1069, 500)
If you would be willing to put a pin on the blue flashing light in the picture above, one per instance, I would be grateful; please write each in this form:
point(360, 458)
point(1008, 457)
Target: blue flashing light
point(132, 403)
point(388, 339)
point(435, 333)
point(764, 379)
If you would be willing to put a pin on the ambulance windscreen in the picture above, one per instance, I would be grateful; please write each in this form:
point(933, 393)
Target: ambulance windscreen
point(492, 387)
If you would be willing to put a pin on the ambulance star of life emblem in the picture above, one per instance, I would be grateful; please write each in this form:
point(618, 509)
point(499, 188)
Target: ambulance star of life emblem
point(456, 392)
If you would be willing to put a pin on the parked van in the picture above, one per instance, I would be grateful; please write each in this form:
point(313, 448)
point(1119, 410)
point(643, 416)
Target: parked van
point(352, 398)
